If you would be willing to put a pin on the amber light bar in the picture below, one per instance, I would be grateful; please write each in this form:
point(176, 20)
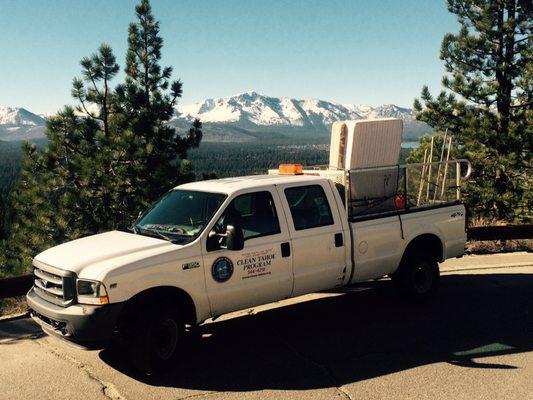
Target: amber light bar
point(290, 169)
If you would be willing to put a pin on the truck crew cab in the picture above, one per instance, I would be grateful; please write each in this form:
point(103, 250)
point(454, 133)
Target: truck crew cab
point(211, 247)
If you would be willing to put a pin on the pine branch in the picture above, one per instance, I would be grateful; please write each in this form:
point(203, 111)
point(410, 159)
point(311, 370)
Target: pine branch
point(87, 111)
point(523, 39)
point(530, 103)
point(475, 67)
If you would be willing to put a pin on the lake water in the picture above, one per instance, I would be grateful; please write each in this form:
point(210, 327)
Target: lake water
point(410, 145)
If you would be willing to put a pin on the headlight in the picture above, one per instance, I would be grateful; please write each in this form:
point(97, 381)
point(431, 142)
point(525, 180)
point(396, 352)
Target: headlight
point(91, 292)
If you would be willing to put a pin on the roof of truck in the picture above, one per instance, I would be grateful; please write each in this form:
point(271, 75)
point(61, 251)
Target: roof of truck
point(230, 185)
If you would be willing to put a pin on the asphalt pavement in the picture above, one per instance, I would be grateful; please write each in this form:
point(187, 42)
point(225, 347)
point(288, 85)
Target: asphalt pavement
point(473, 341)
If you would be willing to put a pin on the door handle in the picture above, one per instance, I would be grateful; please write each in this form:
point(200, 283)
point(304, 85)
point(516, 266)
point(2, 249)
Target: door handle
point(338, 240)
point(285, 249)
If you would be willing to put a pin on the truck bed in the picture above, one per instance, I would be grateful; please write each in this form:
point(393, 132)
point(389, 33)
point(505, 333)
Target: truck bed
point(379, 241)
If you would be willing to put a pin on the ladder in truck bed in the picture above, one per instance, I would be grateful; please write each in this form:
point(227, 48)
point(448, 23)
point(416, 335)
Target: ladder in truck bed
point(363, 163)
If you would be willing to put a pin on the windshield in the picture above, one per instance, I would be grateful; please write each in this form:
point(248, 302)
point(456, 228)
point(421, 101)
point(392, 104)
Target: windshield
point(180, 215)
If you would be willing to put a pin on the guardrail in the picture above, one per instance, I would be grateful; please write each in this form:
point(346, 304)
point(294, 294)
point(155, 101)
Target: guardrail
point(504, 232)
point(19, 285)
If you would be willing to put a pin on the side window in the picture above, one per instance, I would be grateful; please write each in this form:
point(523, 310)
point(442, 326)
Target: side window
point(255, 213)
point(309, 207)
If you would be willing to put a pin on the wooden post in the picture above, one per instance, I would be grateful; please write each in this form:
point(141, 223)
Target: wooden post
point(406, 186)
point(429, 167)
point(422, 173)
point(446, 168)
point(440, 160)
point(458, 180)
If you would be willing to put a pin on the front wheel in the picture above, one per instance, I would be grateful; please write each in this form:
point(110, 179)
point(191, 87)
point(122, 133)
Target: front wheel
point(417, 277)
point(159, 338)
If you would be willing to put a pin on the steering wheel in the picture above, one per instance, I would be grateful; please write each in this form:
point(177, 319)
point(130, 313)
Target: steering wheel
point(178, 229)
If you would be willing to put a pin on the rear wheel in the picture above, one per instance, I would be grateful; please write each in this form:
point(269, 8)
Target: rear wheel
point(417, 277)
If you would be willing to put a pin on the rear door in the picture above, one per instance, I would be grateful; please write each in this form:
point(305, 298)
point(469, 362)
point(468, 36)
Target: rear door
point(317, 238)
point(262, 271)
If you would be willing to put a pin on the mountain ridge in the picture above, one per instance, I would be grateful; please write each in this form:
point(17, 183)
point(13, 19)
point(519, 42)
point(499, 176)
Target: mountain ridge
point(17, 123)
point(246, 116)
point(267, 110)
point(260, 113)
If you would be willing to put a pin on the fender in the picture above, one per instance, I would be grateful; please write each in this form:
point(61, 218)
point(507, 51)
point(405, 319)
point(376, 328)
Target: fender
point(421, 230)
point(170, 294)
point(441, 222)
point(184, 274)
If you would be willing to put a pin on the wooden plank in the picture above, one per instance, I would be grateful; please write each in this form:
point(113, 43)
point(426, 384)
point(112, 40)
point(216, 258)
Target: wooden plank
point(444, 140)
point(445, 177)
point(422, 173)
point(429, 168)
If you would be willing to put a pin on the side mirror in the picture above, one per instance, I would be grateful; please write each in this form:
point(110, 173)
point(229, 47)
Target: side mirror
point(234, 238)
point(213, 241)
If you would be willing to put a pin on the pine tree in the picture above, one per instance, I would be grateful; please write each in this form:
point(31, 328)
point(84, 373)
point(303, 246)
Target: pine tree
point(61, 191)
point(146, 102)
point(487, 102)
point(108, 158)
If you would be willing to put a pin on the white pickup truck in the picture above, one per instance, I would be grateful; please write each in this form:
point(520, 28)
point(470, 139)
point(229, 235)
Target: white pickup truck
point(212, 247)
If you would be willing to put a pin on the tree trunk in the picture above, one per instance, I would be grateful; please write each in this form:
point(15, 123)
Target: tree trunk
point(505, 56)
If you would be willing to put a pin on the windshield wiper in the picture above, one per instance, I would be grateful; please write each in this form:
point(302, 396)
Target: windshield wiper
point(152, 233)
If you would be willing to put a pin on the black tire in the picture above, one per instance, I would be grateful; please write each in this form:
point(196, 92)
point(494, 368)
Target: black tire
point(417, 277)
point(157, 340)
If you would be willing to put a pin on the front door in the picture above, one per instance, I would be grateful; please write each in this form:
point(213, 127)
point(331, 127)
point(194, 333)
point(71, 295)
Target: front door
point(259, 273)
point(318, 242)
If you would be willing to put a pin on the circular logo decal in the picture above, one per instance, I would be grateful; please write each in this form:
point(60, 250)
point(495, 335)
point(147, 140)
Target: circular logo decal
point(222, 269)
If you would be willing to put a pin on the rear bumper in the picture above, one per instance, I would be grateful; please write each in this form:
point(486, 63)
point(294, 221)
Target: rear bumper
point(87, 325)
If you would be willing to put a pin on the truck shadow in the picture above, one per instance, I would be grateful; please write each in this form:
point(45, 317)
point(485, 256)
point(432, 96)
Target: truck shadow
point(338, 340)
point(18, 329)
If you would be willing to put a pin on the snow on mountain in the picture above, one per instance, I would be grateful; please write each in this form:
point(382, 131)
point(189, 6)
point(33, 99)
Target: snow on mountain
point(257, 109)
point(17, 123)
point(19, 116)
point(260, 113)
point(47, 115)
point(392, 111)
point(245, 116)
point(254, 108)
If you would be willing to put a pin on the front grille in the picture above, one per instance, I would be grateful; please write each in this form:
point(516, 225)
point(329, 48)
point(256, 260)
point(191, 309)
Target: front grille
point(54, 287)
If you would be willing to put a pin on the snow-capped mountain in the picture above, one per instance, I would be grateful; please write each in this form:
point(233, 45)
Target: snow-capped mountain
point(17, 123)
point(243, 117)
point(19, 116)
point(267, 111)
point(386, 111)
point(256, 112)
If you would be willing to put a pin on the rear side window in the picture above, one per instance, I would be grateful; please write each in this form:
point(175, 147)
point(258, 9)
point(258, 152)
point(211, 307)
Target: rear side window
point(309, 207)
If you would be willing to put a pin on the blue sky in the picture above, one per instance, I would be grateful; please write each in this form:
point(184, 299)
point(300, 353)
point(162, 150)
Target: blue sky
point(348, 51)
